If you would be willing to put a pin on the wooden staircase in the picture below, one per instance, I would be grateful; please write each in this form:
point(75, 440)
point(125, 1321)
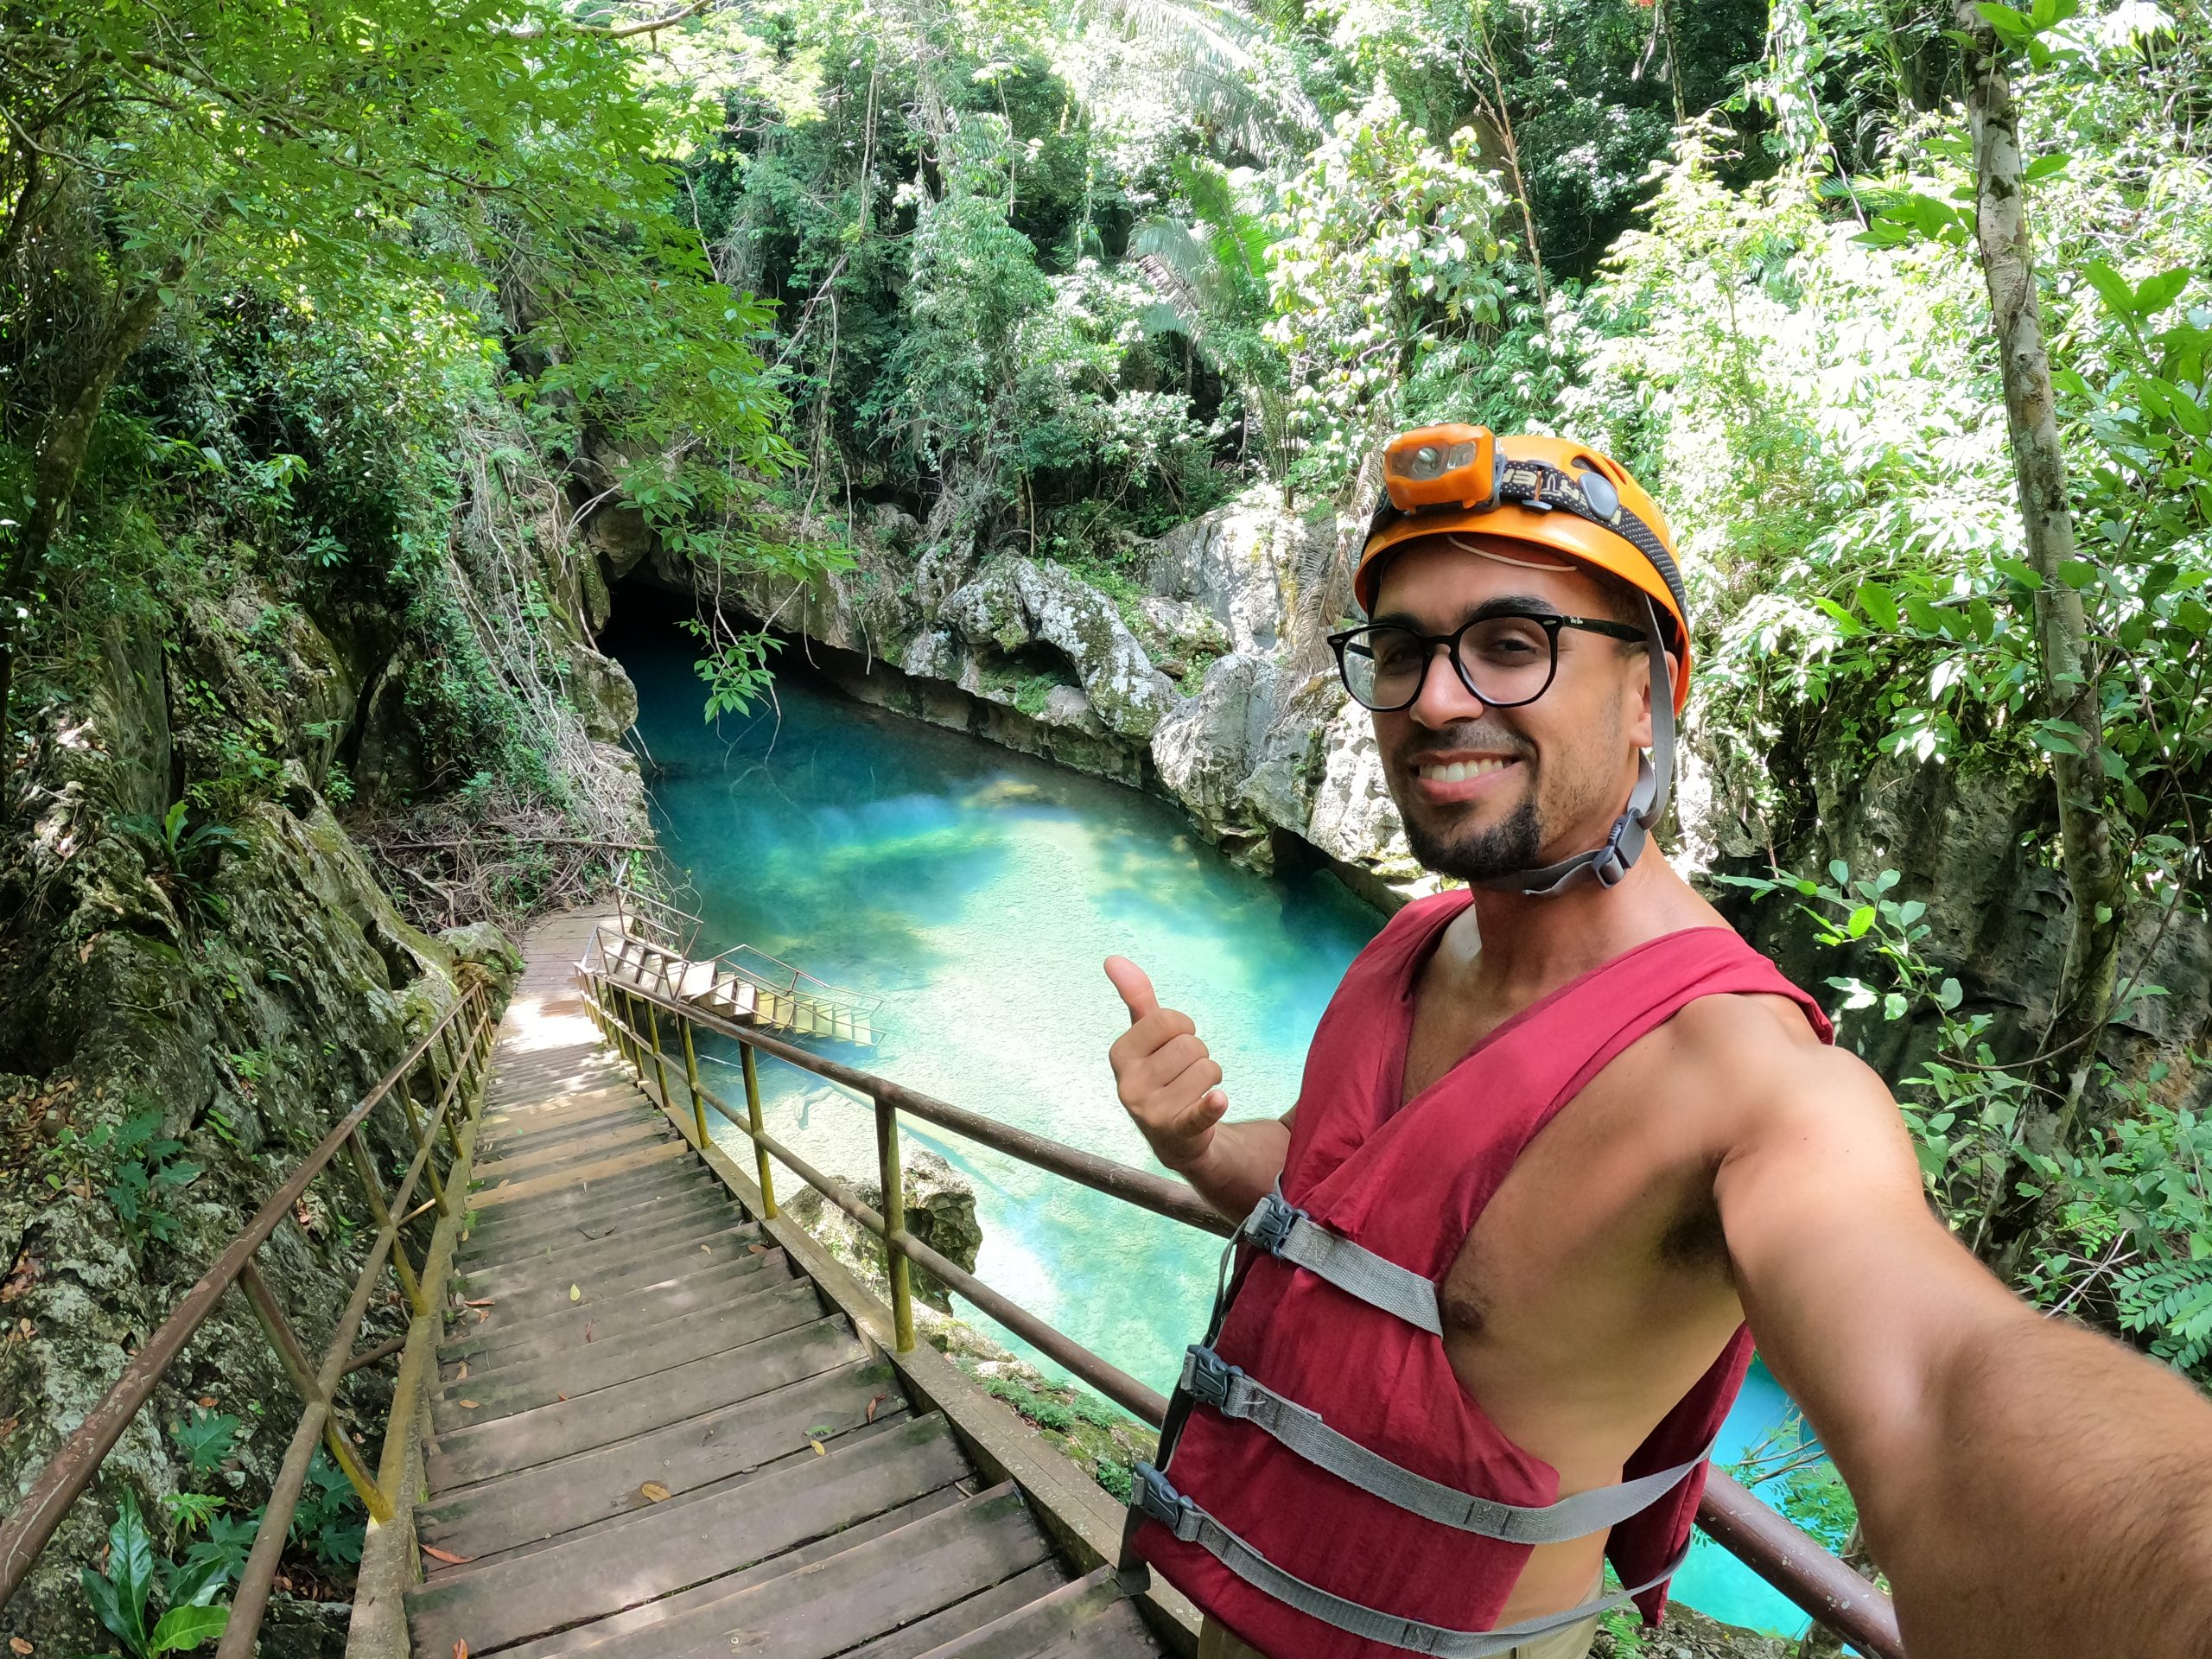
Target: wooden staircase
point(654, 1435)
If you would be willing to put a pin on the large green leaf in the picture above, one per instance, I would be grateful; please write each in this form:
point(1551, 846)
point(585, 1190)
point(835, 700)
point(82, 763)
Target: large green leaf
point(184, 1628)
point(130, 1565)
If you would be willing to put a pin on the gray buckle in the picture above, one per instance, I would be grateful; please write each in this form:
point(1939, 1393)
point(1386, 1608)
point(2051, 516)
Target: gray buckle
point(1269, 1225)
point(1158, 1501)
point(1206, 1376)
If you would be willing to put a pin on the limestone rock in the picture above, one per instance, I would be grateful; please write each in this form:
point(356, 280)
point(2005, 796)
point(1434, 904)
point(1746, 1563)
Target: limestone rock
point(1183, 638)
point(1208, 745)
point(1245, 564)
point(1687, 1634)
point(602, 693)
point(1016, 605)
point(940, 1213)
point(1354, 819)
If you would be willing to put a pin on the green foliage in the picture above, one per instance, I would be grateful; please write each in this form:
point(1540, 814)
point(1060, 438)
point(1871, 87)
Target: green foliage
point(135, 1168)
point(123, 1597)
point(186, 855)
point(147, 1169)
point(329, 1520)
point(1390, 254)
point(205, 1437)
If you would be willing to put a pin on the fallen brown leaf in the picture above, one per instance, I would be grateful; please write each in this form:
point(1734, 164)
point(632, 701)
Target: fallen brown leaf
point(482, 1301)
point(466, 1405)
point(447, 1556)
point(461, 1376)
point(653, 1493)
point(874, 1403)
point(206, 1402)
point(461, 1651)
point(757, 1249)
point(587, 1329)
point(17, 1646)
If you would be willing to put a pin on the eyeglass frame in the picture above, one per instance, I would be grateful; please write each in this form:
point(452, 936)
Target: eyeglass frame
point(1550, 621)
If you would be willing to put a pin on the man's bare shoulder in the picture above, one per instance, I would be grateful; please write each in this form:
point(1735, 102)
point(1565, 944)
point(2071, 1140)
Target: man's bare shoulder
point(1752, 1068)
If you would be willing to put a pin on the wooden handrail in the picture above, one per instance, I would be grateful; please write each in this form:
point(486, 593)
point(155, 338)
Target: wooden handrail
point(28, 1529)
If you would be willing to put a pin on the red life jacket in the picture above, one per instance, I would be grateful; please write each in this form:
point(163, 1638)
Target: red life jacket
point(1246, 1517)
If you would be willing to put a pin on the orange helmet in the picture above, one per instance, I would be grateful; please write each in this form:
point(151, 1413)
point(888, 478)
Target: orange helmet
point(1552, 492)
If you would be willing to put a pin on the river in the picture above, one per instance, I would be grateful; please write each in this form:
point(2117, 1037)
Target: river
point(977, 891)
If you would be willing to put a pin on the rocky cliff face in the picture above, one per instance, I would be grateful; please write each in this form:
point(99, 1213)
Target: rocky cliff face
point(229, 998)
point(1184, 684)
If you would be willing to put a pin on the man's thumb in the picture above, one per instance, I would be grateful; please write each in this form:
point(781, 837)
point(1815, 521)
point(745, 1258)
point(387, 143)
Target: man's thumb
point(1136, 990)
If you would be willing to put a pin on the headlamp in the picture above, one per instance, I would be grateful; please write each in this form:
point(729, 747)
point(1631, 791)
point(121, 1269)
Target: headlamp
point(1433, 465)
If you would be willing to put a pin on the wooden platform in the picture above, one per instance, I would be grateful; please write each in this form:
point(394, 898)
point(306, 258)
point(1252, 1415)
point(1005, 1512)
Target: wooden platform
point(654, 1436)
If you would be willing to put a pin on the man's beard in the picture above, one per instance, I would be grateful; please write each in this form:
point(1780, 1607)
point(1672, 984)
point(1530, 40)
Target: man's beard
point(1478, 854)
point(1513, 843)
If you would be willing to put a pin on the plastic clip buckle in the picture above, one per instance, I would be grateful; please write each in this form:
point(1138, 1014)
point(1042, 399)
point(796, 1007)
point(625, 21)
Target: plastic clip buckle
point(1269, 1227)
point(1206, 1376)
point(1158, 1501)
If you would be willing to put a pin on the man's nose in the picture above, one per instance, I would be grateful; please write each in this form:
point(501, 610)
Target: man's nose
point(1445, 699)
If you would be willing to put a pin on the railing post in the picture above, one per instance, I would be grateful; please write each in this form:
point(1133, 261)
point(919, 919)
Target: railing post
point(382, 1213)
point(278, 1329)
point(692, 1079)
point(631, 1051)
point(423, 1145)
point(653, 1026)
point(895, 1222)
point(753, 1117)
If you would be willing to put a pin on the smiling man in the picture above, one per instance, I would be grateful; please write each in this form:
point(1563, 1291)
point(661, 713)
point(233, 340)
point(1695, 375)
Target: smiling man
point(1564, 1144)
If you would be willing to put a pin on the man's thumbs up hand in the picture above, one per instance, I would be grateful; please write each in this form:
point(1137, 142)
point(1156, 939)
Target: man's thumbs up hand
point(1165, 1078)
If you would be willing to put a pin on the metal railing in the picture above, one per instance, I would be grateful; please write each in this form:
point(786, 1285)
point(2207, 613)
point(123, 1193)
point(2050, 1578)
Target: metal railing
point(444, 1066)
point(816, 1008)
point(626, 999)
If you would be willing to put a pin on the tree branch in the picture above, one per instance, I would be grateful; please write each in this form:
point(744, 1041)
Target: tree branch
point(611, 31)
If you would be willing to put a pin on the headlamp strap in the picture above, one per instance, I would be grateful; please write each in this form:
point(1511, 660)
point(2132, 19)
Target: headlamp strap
point(1647, 803)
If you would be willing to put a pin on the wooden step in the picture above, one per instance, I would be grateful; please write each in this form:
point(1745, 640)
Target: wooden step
point(588, 1368)
point(513, 1510)
point(649, 1553)
point(601, 1289)
point(496, 1343)
point(629, 1408)
point(1090, 1617)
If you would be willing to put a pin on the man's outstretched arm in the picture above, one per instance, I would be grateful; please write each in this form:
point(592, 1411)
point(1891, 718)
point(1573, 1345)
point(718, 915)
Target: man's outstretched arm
point(2029, 1488)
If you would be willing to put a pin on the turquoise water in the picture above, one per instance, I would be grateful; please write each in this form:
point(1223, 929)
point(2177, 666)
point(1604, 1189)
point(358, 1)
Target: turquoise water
point(977, 891)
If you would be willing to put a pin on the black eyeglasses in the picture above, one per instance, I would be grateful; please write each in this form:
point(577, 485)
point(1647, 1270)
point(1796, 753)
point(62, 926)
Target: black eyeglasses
point(1505, 658)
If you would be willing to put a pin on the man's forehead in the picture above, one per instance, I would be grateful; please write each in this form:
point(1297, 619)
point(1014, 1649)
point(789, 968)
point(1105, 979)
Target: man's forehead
point(1459, 572)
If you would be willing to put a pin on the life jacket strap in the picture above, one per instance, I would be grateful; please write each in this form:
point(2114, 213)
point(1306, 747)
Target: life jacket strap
point(1233, 1392)
point(1158, 1501)
point(1282, 1229)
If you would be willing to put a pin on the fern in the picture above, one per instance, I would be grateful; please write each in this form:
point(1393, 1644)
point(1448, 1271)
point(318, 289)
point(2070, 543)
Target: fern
point(2173, 1301)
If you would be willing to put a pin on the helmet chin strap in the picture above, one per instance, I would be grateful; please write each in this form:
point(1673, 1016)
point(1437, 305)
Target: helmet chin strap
point(1647, 805)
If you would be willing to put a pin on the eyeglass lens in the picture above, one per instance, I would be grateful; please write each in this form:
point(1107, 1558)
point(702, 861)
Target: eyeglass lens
point(1504, 660)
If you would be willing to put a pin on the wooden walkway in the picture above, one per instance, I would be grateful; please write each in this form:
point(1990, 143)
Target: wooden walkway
point(654, 1436)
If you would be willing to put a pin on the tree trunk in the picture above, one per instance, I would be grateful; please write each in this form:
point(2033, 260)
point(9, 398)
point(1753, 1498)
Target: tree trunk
point(2071, 687)
point(1502, 120)
point(60, 458)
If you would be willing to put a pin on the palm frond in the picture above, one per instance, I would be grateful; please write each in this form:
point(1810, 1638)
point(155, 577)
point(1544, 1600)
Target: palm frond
point(1215, 68)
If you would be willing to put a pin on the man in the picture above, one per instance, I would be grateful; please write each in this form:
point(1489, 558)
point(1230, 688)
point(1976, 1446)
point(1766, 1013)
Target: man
point(1560, 1135)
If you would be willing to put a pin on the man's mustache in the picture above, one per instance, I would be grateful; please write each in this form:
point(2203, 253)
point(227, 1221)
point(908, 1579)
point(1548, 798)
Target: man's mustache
point(1468, 734)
